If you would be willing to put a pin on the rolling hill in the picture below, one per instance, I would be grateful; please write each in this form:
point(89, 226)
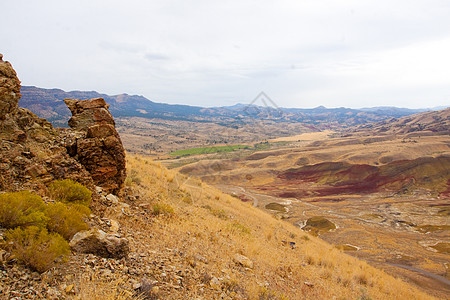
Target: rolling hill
point(48, 103)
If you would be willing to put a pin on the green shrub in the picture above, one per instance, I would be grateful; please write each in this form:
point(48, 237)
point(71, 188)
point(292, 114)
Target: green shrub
point(21, 209)
point(69, 191)
point(66, 219)
point(164, 209)
point(36, 248)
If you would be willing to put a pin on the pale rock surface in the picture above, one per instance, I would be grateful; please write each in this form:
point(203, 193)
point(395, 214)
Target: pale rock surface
point(243, 261)
point(100, 243)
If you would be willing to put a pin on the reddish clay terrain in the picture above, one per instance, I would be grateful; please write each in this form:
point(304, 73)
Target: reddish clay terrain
point(344, 178)
point(380, 192)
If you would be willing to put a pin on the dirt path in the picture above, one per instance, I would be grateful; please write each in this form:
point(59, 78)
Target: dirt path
point(435, 283)
point(441, 279)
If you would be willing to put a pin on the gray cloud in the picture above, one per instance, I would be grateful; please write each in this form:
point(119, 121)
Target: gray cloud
point(301, 53)
point(156, 56)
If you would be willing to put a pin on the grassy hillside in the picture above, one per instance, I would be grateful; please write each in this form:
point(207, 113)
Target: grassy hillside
point(188, 239)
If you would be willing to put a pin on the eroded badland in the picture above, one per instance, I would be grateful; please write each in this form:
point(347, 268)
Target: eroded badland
point(379, 192)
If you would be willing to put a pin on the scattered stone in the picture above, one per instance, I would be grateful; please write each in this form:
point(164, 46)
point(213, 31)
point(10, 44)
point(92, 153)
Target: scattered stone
point(69, 289)
point(201, 258)
point(114, 226)
point(243, 261)
point(98, 242)
point(113, 199)
point(137, 286)
point(215, 283)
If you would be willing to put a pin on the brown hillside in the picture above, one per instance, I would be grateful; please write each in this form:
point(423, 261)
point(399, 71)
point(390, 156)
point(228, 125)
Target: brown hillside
point(432, 122)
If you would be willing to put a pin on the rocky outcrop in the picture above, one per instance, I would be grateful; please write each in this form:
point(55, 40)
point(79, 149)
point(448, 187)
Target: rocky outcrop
point(99, 243)
point(98, 146)
point(32, 152)
point(9, 89)
point(87, 113)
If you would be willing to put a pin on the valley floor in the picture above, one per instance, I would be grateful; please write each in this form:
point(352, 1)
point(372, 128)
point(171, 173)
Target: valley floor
point(376, 228)
point(401, 227)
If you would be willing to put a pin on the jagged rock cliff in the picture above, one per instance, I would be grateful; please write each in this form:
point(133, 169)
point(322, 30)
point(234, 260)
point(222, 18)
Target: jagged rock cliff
point(9, 89)
point(33, 153)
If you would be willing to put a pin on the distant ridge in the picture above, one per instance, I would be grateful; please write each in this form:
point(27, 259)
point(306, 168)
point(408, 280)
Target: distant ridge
point(49, 104)
point(425, 123)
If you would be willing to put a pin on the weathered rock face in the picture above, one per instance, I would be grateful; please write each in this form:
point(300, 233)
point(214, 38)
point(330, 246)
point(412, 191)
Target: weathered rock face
point(32, 153)
point(86, 113)
point(98, 147)
point(100, 243)
point(9, 89)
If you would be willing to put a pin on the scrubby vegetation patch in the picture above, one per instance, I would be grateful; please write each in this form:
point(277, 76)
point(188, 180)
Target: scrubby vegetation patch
point(276, 206)
point(37, 232)
point(69, 191)
point(36, 247)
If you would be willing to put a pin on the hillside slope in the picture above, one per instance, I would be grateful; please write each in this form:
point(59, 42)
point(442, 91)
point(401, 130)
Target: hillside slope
point(189, 240)
point(196, 250)
point(426, 123)
point(386, 194)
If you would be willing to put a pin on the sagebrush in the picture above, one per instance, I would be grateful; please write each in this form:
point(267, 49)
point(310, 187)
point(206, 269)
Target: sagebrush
point(69, 191)
point(22, 209)
point(36, 247)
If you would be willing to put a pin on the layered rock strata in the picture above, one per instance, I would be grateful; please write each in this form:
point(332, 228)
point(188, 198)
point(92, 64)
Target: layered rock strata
point(98, 146)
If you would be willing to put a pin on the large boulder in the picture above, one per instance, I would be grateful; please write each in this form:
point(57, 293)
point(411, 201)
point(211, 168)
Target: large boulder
point(98, 146)
point(100, 243)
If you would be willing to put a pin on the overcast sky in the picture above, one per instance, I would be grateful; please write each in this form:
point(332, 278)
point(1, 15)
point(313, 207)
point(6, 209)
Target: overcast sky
point(351, 53)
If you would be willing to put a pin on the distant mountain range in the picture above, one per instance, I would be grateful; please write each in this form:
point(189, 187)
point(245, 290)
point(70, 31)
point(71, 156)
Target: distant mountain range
point(48, 103)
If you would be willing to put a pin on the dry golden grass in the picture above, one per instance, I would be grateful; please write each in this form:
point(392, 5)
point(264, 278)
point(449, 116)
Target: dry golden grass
point(210, 228)
point(308, 136)
point(93, 286)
